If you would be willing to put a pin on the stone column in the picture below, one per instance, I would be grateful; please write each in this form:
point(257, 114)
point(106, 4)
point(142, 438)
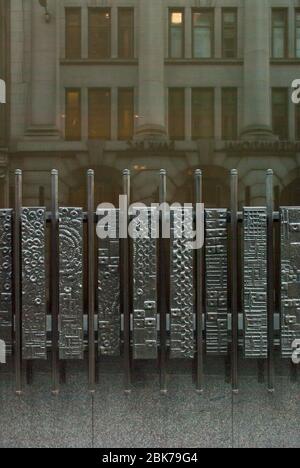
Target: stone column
point(257, 86)
point(43, 70)
point(151, 121)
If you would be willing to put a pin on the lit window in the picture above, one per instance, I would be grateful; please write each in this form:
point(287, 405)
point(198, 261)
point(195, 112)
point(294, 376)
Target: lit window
point(176, 34)
point(125, 113)
point(99, 114)
point(73, 114)
point(203, 33)
point(73, 33)
point(203, 113)
point(99, 33)
point(126, 32)
point(279, 33)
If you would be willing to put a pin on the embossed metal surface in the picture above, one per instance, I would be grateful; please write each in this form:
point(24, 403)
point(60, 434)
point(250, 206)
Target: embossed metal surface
point(6, 278)
point(290, 279)
point(182, 285)
point(145, 290)
point(109, 289)
point(216, 271)
point(33, 284)
point(70, 283)
point(255, 282)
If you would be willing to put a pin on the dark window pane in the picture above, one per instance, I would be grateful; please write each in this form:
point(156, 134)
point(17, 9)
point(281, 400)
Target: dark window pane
point(279, 33)
point(125, 113)
point(229, 113)
point(176, 114)
point(298, 33)
point(203, 33)
point(176, 34)
point(297, 110)
point(99, 114)
point(203, 113)
point(99, 33)
point(73, 33)
point(126, 32)
point(229, 33)
point(280, 113)
point(73, 114)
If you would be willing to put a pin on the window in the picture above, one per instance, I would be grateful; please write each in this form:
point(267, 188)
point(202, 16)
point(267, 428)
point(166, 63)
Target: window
point(229, 113)
point(99, 33)
point(176, 33)
point(125, 113)
point(298, 33)
point(203, 33)
point(176, 114)
point(202, 113)
point(280, 113)
point(73, 33)
point(279, 33)
point(297, 110)
point(99, 114)
point(73, 114)
point(126, 32)
point(229, 25)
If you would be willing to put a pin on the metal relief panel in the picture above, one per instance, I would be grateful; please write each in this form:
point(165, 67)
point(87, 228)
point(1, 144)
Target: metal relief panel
point(182, 285)
point(290, 279)
point(109, 288)
point(70, 283)
point(255, 282)
point(34, 345)
point(145, 289)
point(216, 281)
point(6, 278)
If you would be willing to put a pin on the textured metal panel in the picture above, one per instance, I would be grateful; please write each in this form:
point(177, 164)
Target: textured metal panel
point(290, 279)
point(70, 283)
point(6, 278)
point(255, 282)
point(182, 285)
point(145, 290)
point(216, 282)
point(33, 284)
point(109, 289)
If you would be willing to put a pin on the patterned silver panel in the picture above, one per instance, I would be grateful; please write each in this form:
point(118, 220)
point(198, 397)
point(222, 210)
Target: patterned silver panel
point(290, 279)
point(182, 285)
point(216, 282)
point(109, 289)
point(6, 278)
point(145, 289)
point(255, 283)
point(33, 284)
point(70, 283)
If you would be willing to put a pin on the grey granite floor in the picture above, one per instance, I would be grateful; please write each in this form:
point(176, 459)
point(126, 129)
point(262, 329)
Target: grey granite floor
point(111, 419)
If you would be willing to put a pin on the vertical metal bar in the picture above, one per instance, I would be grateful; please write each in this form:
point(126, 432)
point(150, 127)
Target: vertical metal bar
point(234, 278)
point(270, 262)
point(163, 289)
point(17, 281)
point(199, 293)
point(125, 289)
point(91, 278)
point(54, 278)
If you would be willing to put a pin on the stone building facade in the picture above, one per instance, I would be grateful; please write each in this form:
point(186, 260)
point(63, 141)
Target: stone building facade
point(150, 84)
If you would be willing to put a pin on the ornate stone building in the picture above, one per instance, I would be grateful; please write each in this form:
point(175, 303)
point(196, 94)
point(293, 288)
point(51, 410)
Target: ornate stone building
point(146, 84)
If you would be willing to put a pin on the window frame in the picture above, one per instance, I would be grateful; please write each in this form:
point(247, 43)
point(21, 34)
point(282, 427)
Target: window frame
point(235, 11)
point(183, 135)
point(120, 90)
point(297, 26)
point(210, 10)
point(223, 91)
point(213, 93)
point(104, 10)
point(171, 11)
point(120, 10)
point(286, 33)
point(67, 91)
point(286, 113)
point(67, 55)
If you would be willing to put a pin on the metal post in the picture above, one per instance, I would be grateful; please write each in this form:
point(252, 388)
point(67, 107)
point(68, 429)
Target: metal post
point(270, 262)
point(125, 290)
point(91, 278)
point(199, 293)
point(54, 278)
point(234, 278)
point(17, 280)
point(163, 288)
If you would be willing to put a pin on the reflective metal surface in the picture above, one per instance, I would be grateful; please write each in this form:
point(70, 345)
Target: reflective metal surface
point(182, 285)
point(34, 345)
point(290, 279)
point(70, 283)
point(145, 291)
point(255, 283)
point(109, 290)
point(6, 278)
point(216, 271)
